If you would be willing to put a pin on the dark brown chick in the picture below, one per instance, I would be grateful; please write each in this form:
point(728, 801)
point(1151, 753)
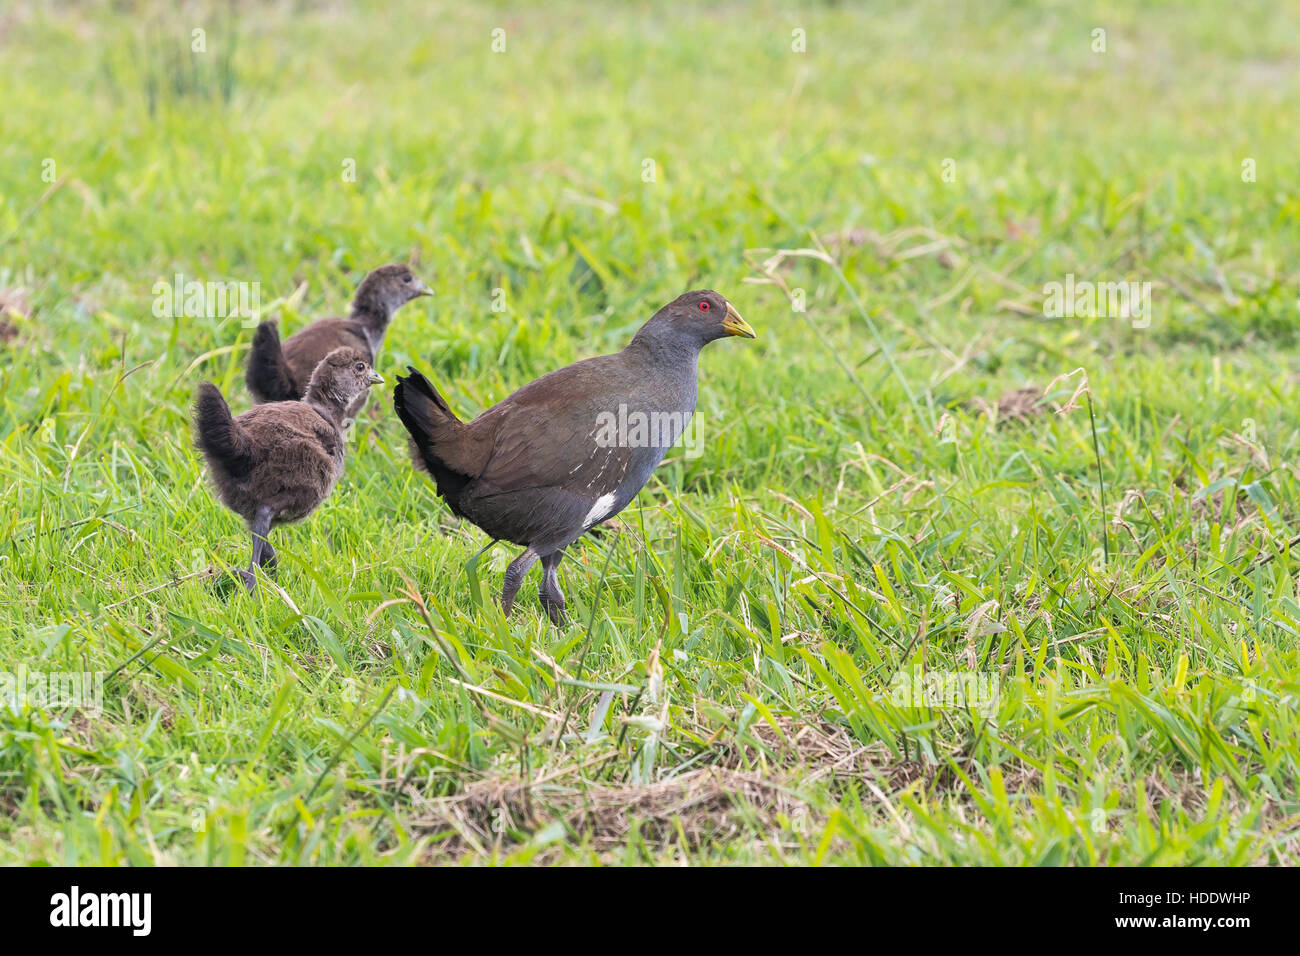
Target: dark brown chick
point(276, 462)
point(280, 372)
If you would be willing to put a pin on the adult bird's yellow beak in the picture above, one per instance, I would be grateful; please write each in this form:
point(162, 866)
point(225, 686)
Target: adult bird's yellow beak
point(735, 325)
point(376, 378)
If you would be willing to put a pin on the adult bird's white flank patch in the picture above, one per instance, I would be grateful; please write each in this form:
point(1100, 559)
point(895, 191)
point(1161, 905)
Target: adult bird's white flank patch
point(601, 508)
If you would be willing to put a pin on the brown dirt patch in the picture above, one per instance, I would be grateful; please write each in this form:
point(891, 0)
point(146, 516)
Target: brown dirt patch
point(756, 787)
point(1017, 405)
point(695, 807)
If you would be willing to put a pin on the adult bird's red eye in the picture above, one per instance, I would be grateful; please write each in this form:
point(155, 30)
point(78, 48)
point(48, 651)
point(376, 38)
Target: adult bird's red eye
point(704, 307)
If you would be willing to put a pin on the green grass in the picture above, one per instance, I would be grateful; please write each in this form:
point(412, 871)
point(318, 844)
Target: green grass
point(857, 514)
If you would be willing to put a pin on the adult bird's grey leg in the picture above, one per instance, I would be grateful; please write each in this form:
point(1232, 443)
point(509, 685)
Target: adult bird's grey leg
point(261, 527)
point(550, 594)
point(515, 577)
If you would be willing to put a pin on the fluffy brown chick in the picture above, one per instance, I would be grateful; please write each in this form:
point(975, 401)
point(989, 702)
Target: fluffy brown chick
point(277, 462)
point(278, 372)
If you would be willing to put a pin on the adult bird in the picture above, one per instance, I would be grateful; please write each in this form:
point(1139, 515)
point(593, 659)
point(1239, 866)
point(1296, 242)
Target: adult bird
point(275, 463)
point(278, 372)
point(571, 449)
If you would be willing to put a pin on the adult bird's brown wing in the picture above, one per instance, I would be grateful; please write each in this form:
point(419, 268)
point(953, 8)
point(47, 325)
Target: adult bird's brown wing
point(548, 471)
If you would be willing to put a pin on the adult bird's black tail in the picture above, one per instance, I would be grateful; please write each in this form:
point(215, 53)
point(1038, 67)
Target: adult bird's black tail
point(441, 443)
point(267, 373)
point(217, 433)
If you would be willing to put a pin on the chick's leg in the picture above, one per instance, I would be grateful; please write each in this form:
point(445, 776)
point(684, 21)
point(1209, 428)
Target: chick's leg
point(260, 526)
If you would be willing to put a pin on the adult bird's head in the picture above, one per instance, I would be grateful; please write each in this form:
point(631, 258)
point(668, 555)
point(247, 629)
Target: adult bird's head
point(341, 377)
point(387, 289)
point(691, 321)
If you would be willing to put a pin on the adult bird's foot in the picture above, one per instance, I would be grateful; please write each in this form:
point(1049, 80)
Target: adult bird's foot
point(555, 611)
point(552, 599)
point(549, 593)
point(249, 579)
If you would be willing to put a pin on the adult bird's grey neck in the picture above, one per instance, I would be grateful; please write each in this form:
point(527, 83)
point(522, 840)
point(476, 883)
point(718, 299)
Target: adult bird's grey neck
point(662, 345)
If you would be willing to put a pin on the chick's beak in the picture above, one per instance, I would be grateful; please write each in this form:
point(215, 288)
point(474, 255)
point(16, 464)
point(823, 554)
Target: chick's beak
point(733, 324)
point(421, 288)
point(376, 378)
